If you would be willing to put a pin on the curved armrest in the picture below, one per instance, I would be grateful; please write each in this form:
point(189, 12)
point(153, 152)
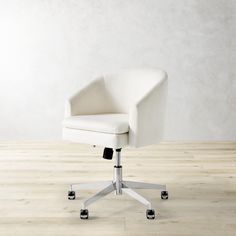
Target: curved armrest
point(91, 99)
point(146, 117)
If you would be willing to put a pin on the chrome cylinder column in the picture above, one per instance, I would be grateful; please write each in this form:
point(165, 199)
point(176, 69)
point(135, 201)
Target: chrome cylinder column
point(118, 173)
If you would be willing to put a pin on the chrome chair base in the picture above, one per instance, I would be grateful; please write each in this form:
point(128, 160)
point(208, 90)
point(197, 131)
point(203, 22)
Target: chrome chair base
point(119, 187)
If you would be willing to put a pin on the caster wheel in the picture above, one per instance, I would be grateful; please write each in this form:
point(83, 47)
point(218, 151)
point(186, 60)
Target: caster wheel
point(84, 214)
point(71, 195)
point(150, 213)
point(164, 195)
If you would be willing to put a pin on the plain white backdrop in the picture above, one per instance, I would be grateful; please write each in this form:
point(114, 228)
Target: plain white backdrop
point(49, 48)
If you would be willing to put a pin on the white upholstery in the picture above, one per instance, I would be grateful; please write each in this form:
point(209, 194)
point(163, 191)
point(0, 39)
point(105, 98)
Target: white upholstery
point(138, 96)
point(105, 123)
point(96, 138)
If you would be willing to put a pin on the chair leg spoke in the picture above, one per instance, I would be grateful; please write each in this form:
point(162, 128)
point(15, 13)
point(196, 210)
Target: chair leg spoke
point(98, 195)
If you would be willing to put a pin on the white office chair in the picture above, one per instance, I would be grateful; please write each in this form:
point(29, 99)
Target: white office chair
point(115, 111)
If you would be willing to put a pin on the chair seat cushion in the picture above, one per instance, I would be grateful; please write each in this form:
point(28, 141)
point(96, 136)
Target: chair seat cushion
point(104, 123)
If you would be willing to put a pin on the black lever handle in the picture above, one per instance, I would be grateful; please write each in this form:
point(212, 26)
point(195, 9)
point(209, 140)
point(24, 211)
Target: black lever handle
point(108, 153)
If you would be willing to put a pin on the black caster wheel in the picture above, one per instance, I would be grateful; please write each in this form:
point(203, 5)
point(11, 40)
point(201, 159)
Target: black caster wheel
point(84, 214)
point(150, 213)
point(164, 195)
point(71, 195)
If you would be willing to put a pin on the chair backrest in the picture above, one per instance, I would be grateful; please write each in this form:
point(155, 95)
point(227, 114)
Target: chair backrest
point(128, 87)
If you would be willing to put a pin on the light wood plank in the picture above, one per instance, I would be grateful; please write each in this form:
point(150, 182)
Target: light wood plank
point(200, 176)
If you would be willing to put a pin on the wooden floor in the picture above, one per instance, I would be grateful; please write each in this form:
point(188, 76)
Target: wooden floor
point(201, 180)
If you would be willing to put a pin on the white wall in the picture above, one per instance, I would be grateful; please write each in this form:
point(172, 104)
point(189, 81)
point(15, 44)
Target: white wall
point(49, 48)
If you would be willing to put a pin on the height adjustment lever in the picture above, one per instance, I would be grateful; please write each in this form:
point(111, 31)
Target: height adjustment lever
point(108, 153)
